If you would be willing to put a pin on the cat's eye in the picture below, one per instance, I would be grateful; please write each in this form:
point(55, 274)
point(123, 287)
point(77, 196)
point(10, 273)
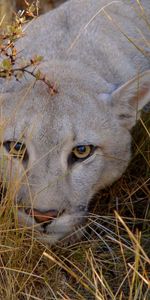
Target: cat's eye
point(16, 149)
point(80, 153)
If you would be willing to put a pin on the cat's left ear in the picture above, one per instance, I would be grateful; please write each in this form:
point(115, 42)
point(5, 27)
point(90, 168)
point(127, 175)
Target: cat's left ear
point(130, 98)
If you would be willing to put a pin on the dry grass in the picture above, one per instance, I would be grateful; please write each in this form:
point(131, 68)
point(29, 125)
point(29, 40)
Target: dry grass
point(9, 7)
point(112, 260)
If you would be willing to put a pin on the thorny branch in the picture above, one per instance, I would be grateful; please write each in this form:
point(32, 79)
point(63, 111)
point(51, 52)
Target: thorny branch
point(9, 56)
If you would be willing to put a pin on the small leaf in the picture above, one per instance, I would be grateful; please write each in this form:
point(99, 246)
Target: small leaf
point(39, 58)
point(6, 63)
point(31, 8)
point(36, 59)
point(38, 75)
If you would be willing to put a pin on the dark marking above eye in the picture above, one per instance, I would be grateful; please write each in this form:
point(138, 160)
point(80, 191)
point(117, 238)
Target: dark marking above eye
point(124, 116)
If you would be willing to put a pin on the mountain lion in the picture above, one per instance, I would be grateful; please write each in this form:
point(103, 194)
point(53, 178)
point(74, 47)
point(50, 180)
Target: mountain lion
point(59, 150)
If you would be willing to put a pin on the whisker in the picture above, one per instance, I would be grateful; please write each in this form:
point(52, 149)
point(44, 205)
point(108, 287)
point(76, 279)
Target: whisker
point(105, 243)
point(108, 231)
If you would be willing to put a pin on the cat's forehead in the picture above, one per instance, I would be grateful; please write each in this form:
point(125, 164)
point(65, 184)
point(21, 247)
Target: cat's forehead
point(35, 112)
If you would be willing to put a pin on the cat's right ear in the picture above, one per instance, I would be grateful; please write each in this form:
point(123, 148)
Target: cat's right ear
point(128, 100)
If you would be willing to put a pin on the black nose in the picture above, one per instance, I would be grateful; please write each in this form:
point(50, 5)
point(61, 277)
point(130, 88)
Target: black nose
point(42, 216)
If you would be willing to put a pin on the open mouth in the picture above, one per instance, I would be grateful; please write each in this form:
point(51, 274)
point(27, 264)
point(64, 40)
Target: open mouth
point(43, 217)
point(48, 223)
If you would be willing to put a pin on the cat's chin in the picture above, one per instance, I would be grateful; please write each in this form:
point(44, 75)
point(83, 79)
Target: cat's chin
point(71, 238)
